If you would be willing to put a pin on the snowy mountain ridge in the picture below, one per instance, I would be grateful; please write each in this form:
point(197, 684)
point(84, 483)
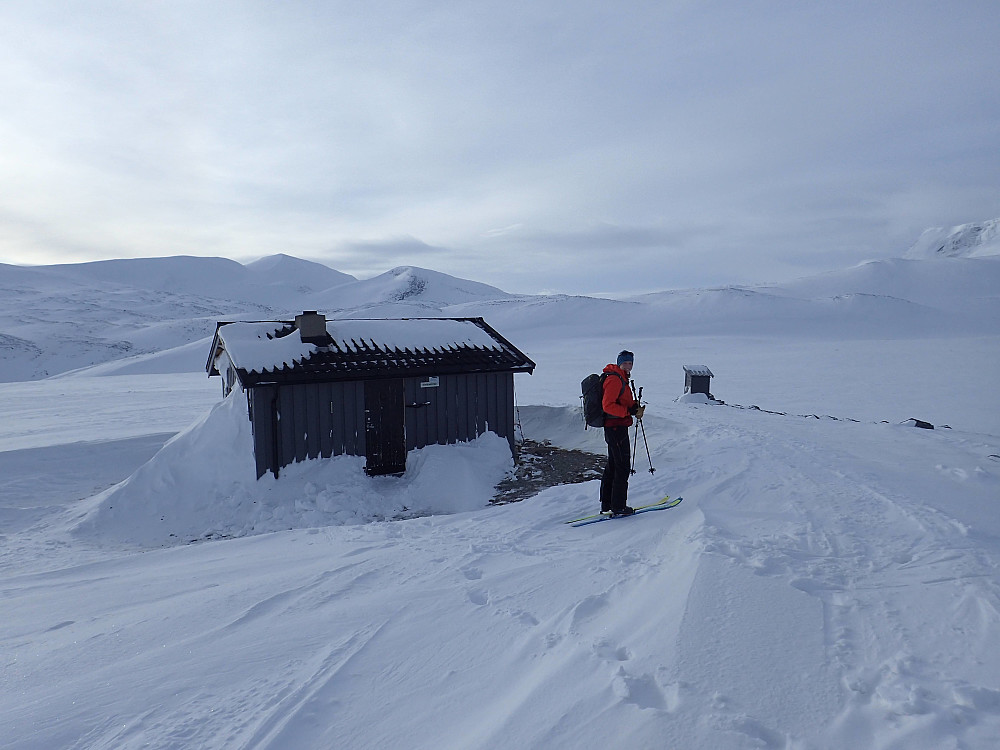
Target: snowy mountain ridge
point(50, 324)
point(272, 281)
point(974, 240)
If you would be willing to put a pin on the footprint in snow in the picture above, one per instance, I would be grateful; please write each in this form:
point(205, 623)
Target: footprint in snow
point(479, 597)
point(758, 732)
point(979, 698)
point(609, 652)
point(640, 690)
point(472, 573)
point(525, 618)
point(588, 608)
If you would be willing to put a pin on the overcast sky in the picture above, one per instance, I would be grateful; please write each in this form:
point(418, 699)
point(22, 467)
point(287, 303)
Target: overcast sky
point(578, 147)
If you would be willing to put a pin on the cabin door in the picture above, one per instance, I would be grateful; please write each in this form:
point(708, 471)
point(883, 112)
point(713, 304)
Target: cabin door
point(385, 436)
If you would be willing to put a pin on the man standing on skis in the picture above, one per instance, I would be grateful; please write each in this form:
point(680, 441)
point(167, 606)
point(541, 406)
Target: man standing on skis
point(619, 408)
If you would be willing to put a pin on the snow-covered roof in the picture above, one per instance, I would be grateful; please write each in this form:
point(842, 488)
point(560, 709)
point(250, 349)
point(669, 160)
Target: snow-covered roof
point(698, 371)
point(359, 348)
point(415, 334)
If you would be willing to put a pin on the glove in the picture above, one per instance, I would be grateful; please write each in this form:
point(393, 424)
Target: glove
point(637, 411)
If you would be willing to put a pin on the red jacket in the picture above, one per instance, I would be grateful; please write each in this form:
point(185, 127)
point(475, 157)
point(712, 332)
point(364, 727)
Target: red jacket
point(618, 398)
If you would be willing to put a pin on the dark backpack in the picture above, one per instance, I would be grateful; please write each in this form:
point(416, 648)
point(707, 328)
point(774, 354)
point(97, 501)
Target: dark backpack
point(592, 388)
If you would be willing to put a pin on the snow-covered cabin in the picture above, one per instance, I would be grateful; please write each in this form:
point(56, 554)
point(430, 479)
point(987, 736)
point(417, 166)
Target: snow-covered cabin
point(697, 379)
point(373, 388)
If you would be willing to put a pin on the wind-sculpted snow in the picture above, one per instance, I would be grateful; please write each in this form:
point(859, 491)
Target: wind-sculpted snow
point(824, 584)
point(864, 539)
point(831, 580)
point(203, 485)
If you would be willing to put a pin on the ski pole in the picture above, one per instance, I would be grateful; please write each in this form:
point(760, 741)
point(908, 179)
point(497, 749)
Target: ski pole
point(638, 399)
point(635, 443)
point(651, 469)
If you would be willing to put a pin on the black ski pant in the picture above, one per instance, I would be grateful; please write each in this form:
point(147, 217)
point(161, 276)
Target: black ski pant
point(614, 483)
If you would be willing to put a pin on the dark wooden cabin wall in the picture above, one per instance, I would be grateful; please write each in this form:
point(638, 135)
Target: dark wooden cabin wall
point(461, 408)
point(295, 422)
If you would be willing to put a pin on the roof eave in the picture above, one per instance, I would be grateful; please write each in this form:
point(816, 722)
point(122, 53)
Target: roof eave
point(294, 376)
point(213, 353)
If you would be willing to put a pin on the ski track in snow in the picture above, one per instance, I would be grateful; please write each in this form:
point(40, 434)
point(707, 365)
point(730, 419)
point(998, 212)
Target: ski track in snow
point(862, 550)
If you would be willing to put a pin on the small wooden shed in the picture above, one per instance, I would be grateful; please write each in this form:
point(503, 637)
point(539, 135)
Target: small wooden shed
point(373, 388)
point(697, 379)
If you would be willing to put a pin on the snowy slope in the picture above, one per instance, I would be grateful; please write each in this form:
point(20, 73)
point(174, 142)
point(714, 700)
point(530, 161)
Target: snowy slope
point(59, 318)
point(886, 298)
point(53, 319)
point(825, 584)
point(831, 580)
point(295, 275)
point(275, 281)
point(942, 283)
point(415, 288)
point(50, 323)
point(964, 241)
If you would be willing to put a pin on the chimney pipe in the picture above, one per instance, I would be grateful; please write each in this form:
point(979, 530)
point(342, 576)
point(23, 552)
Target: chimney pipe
point(312, 327)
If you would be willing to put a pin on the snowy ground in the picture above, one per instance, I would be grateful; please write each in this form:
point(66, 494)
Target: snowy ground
point(825, 584)
point(830, 581)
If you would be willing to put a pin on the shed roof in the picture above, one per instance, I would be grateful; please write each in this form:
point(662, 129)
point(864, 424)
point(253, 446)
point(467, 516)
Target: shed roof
point(698, 370)
point(272, 351)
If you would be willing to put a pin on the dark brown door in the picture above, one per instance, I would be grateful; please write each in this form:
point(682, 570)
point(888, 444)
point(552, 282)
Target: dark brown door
point(385, 436)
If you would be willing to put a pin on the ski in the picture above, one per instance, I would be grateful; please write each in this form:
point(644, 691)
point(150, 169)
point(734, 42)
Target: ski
point(608, 514)
point(663, 505)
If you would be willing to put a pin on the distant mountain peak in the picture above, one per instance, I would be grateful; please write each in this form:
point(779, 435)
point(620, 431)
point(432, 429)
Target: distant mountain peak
point(271, 261)
point(284, 262)
point(418, 287)
point(963, 241)
point(412, 281)
point(416, 284)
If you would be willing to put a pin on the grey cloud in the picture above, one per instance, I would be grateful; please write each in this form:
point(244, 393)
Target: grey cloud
point(511, 144)
point(372, 257)
point(605, 236)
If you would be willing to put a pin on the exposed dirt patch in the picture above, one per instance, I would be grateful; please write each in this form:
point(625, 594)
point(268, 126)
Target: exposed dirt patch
point(541, 465)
